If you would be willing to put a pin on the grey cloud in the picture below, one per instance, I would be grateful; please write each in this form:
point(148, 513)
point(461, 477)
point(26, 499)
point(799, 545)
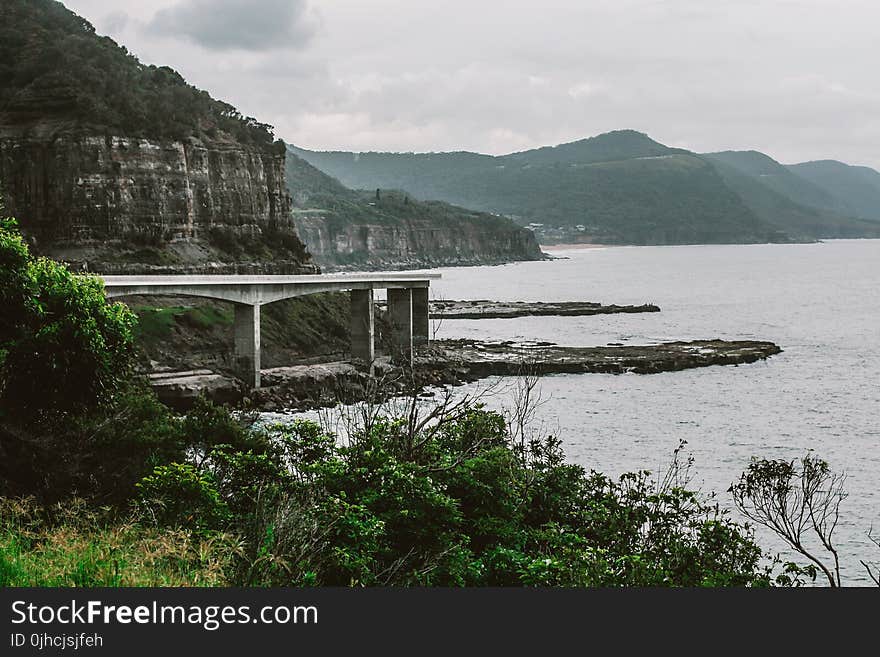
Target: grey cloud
point(793, 78)
point(114, 22)
point(256, 25)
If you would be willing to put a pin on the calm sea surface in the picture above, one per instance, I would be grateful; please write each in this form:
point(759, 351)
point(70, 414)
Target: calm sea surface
point(819, 302)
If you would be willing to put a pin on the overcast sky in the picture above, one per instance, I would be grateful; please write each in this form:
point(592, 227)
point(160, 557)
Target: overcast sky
point(797, 79)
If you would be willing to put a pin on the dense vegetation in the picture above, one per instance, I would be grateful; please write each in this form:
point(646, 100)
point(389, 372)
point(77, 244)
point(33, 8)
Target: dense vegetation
point(857, 187)
point(622, 186)
point(103, 485)
point(795, 205)
point(779, 178)
point(194, 333)
point(340, 209)
point(54, 66)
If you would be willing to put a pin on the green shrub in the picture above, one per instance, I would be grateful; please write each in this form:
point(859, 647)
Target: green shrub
point(180, 495)
point(65, 349)
point(462, 504)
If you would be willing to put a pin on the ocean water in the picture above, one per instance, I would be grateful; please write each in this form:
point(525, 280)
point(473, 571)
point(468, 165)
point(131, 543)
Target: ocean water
point(819, 302)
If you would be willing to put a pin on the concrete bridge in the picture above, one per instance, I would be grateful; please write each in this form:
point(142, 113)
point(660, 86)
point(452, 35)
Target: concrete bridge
point(407, 306)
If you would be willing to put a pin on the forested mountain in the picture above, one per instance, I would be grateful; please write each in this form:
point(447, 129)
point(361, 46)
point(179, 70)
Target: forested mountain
point(54, 67)
point(779, 178)
point(385, 228)
point(116, 166)
point(620, 187)
point(797, 208)
point(120, 167)
point(857, 187)
point(608, 147)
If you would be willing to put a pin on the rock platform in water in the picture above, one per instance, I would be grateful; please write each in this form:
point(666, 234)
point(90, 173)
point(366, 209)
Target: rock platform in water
point(447, 362)
point(484, 309)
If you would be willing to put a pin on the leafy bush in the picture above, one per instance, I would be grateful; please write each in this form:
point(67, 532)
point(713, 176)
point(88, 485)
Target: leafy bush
point(178, 494)
point(64, 349)
point(463, 504)
point(74, 419)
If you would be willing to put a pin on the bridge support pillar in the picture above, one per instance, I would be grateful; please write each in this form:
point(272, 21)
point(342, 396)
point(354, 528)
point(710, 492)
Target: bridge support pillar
point(420, 314)
point(400, 313)
point(363, 330)
point(247, 343)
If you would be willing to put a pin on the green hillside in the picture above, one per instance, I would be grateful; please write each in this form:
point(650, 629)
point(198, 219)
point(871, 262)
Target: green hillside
point(608, 147)
point(858, 187)
point(424, 175)
point(53, 66)
point(620, 187)
point(311, 188)
point(792, 220)
point(672, 199)
point(390, 227)
point(780, 179)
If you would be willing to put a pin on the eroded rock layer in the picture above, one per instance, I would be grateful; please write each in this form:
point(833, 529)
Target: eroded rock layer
point(114, 203)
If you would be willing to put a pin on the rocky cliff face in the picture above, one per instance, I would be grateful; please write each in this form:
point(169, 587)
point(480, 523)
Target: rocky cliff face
point(119, 204)
point(350, 229)
point(411, 243)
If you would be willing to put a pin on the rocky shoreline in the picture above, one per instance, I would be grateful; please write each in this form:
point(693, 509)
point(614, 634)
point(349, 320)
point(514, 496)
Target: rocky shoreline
point(485, 309)
point(448, 362)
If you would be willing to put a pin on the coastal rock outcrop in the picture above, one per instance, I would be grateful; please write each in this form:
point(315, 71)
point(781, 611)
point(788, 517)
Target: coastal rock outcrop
point(451, 362)
point(484, 309)
point(413, 241)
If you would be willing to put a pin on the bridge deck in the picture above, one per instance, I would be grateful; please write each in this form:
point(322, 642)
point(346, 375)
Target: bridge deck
point(260, 290)
point(407, 305)
point(377, 278)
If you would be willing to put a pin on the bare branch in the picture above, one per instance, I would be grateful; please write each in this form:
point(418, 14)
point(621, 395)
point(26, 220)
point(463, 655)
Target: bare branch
point(793, 500)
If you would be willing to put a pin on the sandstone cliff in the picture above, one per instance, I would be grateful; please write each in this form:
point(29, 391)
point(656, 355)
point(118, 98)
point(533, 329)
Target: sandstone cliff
point(115, 204)
point(118, 166)
point(411, 243)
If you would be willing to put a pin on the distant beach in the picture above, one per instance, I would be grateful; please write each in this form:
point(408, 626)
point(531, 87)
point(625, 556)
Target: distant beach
point(572, 247)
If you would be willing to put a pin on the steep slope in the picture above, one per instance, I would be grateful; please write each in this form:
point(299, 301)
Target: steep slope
point(792, 220)
point(621, 187)
point(117, 166)
point(345, 228)
point(779, 178)
point(857, 187)
point(671, 199)
point(457, 177)
point(424, 175)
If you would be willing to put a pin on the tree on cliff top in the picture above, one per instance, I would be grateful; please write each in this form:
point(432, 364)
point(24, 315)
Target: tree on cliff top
point(54, 66)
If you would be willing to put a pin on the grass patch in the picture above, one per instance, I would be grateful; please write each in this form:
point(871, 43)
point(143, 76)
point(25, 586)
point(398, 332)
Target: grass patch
point(311, 324)
point(206, 317)
point(199, 333)
point(76, 545)
point(157, 323)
